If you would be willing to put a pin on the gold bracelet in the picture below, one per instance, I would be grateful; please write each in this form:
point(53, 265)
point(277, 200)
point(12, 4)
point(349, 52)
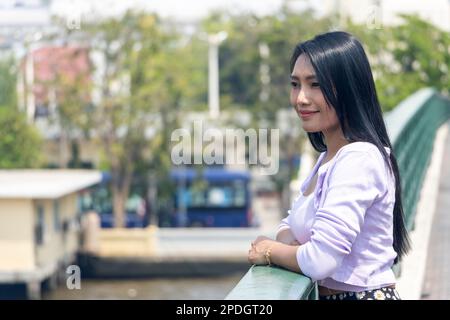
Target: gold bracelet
point(267, 256)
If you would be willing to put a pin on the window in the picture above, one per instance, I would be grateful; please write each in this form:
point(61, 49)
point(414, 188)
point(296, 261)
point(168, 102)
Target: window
point(39, 229)
point(56, 216)
point(214, 195)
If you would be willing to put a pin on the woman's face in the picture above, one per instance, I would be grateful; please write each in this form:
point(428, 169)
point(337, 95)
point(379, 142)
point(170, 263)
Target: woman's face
point(309, 101)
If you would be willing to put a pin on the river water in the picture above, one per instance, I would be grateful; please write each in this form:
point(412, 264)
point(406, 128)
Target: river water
point(203, 288)
point(177, 288)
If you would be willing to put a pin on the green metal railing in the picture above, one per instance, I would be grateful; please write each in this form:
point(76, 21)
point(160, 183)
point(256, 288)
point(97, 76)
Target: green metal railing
point(273, 283)
point(412, 127)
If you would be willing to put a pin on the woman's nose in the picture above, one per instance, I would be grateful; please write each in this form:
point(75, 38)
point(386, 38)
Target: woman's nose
point(301, 98)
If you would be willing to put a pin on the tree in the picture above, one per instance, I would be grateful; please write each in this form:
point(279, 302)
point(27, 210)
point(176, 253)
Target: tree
point(406, 58)
point(8, 82)
point(70, 87)
point(149, 77)
point(126, 108)
point(20, 142)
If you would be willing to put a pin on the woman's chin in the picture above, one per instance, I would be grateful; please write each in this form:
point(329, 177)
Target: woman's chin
point(309, 129)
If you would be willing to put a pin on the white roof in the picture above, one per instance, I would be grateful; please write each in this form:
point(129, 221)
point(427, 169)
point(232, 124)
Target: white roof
point(24, 17)
point(45, 184)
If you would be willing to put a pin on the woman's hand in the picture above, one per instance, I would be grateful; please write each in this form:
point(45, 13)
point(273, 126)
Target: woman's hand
point(264, 251)
point(256, 254)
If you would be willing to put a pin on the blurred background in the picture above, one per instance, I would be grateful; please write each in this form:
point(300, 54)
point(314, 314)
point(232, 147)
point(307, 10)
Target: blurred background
point(91, 93)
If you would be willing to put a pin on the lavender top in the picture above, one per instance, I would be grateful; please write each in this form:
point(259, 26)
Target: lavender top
point(346, 225)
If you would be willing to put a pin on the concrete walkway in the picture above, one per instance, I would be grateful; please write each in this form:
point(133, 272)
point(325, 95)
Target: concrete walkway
point(414, 265)
point(437, 273)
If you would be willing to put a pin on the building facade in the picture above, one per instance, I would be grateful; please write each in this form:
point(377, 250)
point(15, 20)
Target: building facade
point(40, 224)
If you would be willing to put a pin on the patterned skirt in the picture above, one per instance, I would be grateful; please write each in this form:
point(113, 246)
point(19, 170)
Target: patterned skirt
point(375, 294)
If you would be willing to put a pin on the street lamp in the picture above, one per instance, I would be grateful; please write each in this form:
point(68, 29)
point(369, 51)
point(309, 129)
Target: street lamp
point(214, 41)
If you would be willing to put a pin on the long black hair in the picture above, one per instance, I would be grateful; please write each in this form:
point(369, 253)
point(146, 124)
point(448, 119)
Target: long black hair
point(345, 78)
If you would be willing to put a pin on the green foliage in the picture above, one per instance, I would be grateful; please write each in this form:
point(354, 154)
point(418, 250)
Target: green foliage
point(20, 142)
point(8, 81)
point(406, 58)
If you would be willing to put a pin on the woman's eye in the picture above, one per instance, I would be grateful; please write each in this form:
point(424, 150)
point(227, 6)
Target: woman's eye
point(294, 84)
point(315, 84)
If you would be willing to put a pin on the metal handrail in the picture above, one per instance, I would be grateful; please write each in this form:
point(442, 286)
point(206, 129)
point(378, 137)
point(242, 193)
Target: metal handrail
point(412, 128)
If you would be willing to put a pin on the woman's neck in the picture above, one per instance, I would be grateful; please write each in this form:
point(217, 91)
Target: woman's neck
point(334, 141)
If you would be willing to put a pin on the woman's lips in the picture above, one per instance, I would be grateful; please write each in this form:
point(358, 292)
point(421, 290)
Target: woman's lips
point(307, 114)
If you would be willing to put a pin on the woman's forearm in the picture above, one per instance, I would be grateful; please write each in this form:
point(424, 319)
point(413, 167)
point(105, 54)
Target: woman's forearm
point(285, 256)
point(285, 236)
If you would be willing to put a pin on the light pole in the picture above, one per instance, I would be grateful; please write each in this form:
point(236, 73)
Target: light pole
point(214, 41)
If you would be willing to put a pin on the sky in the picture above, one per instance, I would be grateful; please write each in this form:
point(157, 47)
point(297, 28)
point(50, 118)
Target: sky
point(436, 11)
point(184, 10)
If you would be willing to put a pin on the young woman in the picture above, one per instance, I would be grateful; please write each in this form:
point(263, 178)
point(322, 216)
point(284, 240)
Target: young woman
point(346, 228)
